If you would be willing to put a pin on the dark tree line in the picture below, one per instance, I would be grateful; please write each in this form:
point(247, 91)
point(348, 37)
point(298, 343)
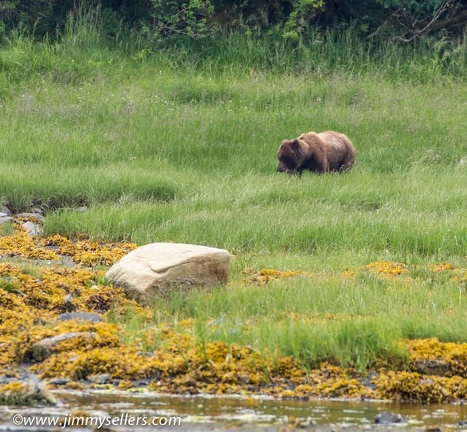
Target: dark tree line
point(406, 20)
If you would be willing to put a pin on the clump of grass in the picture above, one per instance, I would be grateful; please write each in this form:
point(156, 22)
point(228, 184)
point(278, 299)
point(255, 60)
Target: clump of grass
point(7, 229)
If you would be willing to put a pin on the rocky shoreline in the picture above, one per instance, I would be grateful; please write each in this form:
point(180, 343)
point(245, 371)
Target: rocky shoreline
point(31, 221)
point(60, 329)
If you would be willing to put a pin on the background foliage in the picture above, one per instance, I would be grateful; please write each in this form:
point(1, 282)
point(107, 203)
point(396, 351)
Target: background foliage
point(407, 19)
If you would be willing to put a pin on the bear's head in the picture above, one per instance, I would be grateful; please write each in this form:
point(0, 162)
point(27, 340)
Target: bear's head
point(291, 155)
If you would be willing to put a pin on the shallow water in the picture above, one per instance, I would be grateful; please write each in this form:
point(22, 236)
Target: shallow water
point(207, 413)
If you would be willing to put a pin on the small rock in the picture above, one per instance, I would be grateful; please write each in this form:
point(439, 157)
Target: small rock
point(60, 381)
point(141, 383)
point(367, 382)
point(4, 218)
point(5, 210)
point(462, 424)
point(68, 304)
point(45, 347)
point(80, 316)
point(388, 417)
point(99, 378)
point(32, 228)
point(26, 393)
point(431, 367)
point(36, 217)
point(145, 354)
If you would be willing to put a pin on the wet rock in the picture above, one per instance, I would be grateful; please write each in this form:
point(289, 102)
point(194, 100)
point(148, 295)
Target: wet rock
point(46, 347)
point(388, 417)
point(33, 217)
point(145, 353)
point(462, 424)
point(26, 393)
point(80, 316)
point(5, 379)
point(155, 269)
point(5, 210)
point(99, 378)
point(4, 218)
point(32, 228)
point(60, 381)
point(367, 382)
point(68, 304)
point(141, 383)
point(430, 367)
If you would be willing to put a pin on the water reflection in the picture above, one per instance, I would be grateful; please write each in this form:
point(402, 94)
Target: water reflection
point(204, 413)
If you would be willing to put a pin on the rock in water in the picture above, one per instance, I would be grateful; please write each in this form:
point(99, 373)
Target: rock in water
point(388, 417)
point(26, 393)
point(155, 269)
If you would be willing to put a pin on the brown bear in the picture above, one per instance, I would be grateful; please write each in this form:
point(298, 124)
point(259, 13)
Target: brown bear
point(318, 152)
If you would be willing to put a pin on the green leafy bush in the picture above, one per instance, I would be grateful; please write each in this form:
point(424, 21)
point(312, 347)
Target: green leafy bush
point(192, 18)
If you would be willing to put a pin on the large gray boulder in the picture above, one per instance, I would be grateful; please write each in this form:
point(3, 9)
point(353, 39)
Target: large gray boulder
point(155, 269)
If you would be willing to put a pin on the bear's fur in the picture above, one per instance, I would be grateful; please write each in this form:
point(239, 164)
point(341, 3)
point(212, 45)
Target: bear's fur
point(318, 152)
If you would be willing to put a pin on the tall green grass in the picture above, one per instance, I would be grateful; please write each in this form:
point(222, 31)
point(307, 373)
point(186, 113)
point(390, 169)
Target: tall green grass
point(324, 52)
point(179, 144)
point(407, 215)
point(325, 317)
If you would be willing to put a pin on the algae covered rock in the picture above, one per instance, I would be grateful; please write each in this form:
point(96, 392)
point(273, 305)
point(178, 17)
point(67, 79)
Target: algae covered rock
point(155, 269)
point(26, 393)
point(438, 367)
point(46, 347)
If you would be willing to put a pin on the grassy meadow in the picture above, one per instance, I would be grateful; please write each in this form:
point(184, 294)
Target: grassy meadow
point(180, 145)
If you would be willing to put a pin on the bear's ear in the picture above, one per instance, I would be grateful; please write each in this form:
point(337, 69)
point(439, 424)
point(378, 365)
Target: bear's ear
point(295, 146)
